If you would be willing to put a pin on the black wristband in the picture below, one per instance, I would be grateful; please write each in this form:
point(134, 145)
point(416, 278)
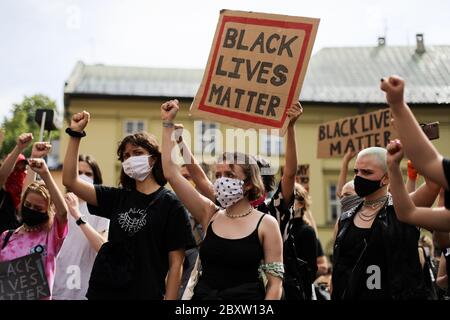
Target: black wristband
point(75, 134)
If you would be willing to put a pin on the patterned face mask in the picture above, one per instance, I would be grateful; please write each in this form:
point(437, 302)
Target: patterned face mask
point(228, 191)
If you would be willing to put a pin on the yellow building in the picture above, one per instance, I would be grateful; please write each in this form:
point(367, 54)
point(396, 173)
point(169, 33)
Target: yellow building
point(340, 82)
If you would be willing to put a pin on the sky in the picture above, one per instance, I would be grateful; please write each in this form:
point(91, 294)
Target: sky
point(41, 40)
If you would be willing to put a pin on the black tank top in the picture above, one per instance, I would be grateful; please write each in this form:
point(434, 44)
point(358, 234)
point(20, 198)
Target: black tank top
point(228, 263)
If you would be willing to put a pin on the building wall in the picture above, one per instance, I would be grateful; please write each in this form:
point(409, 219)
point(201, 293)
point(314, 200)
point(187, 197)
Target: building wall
point(105, 131)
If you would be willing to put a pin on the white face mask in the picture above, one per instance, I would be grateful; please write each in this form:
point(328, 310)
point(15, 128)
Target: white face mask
point(87, 179)
point(228, 191)
point(137, 167)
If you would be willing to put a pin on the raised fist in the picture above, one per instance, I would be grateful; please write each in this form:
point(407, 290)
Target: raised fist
point(169, 110)
point(24, 140)
point(79, 121)
point(394, 87)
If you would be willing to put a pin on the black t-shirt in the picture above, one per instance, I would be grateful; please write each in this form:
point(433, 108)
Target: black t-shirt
point(155, 224)
point(8, 218)
point(446, 165)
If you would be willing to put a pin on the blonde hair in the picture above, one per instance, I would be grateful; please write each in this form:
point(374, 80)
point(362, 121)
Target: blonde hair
point(40, 189)
point(379, 154)
point(300, 191)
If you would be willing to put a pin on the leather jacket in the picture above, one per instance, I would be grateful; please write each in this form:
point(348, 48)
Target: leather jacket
point(399, 242)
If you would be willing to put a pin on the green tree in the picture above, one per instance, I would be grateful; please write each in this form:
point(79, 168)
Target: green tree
point(22, 121)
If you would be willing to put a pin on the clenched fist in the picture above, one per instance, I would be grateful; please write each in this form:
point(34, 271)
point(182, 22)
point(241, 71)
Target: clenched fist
point(79, 121)
point(394, 87)
point(169, 110)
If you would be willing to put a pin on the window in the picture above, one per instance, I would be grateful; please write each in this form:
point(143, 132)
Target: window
point(271, 145)
point(206, 140)
point(334, 205)
point(133, 126)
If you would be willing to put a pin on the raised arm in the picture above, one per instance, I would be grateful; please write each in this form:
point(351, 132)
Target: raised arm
point(290, 168)
point(8, 165)
point(96, 240)
point(418, 148)
point(71, 180)
point(40, 167)
point(199, 206)
point(426, 194)
point(39, 150)
point(431, 219)
point(202, 183)
point(342, 180)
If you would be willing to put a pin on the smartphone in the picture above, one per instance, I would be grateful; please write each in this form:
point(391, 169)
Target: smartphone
point(431, 130)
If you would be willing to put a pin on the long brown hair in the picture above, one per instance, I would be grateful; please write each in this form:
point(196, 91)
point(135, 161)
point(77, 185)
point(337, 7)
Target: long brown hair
point(251, 172)
point(149, 143)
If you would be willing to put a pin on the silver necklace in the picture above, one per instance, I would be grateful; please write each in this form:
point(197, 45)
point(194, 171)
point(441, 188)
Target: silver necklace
point(375, 203)
point(366, 218)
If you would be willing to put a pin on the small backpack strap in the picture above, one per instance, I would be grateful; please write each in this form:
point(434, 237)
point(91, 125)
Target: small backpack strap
point(7, 237)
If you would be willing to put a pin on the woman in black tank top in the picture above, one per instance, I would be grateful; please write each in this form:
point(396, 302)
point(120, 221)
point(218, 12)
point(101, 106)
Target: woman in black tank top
point(239, 240)
point(244, 254)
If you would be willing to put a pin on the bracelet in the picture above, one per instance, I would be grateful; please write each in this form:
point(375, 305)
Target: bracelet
point(168, 124)
point(275, 269)
point(75, 134)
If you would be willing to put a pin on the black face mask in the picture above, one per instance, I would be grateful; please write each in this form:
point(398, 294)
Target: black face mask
point(349, 202)
point(33, 218)
point(364, 187)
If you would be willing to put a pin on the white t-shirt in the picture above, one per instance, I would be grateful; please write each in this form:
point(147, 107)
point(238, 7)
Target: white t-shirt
point(76, 258)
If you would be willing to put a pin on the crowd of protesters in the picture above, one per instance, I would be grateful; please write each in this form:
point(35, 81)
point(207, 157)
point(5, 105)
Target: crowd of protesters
point(235, 234)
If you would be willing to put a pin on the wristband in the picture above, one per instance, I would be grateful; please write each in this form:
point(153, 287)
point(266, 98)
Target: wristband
point(75, 134)
point(168, 124)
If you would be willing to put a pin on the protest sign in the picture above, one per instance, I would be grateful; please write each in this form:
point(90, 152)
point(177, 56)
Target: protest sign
point(302, 175)
point(23, 279)
point(355, 133)
point(255, 69)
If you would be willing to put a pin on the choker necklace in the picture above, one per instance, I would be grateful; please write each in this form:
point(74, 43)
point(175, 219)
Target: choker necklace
point(375, 203)
point(233, 216)
point(31, 229)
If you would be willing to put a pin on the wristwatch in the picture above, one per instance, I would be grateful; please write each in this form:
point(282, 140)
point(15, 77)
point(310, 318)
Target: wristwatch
point(81, 221)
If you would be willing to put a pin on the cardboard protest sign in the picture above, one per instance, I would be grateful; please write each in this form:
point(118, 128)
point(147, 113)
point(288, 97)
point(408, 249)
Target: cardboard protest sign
point(255, 69)
point(302, 175)
point(356, 133)
point(23, 279)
